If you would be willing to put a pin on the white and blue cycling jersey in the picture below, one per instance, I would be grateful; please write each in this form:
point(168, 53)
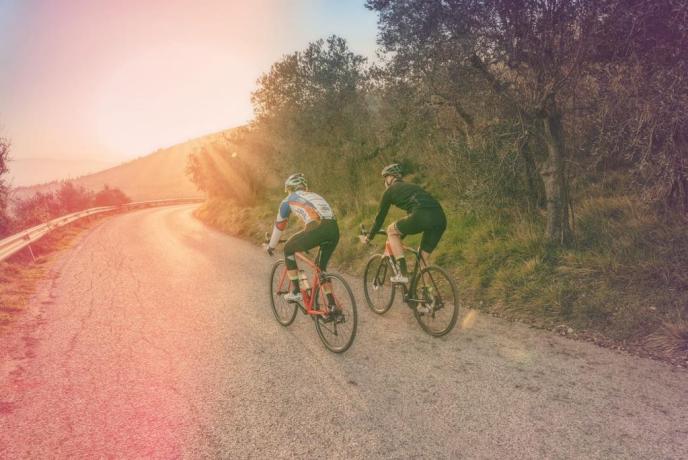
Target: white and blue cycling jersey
point(308, 206)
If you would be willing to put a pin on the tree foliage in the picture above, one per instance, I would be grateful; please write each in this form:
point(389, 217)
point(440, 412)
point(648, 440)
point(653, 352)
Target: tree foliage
point(73, 198)
point(507, 104)
point(642, 93)
point(234, 167)
point(69, 198)
point(518, 60)
point(4, 158)
point(312, 106)
point(35, 210)
point(556, 82)
point(108, 196)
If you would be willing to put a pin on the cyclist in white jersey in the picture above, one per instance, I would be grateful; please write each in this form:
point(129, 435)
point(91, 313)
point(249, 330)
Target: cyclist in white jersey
point(321, 229)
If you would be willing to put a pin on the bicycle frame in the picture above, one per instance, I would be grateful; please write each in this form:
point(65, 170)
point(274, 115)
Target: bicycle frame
point(308, 298)
point(416, 254)
point(419, 264)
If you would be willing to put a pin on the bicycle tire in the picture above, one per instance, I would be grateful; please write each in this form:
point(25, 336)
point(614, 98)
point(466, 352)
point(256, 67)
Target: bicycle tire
point(378, 302)
point(435, 273)
point(350, 317)
point(284, 312)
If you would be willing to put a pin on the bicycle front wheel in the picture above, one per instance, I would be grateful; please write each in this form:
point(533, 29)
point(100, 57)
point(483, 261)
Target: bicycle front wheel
point(338, 331)
point(436, 301)
point(379, 290)
point(279, 285)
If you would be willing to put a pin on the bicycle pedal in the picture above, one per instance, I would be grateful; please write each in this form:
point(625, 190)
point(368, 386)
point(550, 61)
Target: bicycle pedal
point(337, 317)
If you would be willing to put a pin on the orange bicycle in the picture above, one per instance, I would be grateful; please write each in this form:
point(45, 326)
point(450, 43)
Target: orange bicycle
point(336, 325)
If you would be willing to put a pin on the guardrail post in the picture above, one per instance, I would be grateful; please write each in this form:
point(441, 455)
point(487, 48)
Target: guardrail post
point(33, 257)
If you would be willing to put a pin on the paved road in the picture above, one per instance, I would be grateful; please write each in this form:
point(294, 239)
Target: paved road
point(154, 338)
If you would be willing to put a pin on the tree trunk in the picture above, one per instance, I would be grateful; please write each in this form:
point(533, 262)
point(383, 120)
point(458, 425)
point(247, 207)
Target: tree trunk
point(536, 189)
point(553, 174)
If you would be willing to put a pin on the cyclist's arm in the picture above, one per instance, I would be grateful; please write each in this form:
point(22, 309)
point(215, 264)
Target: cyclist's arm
point(385, 203)
point(280, 223)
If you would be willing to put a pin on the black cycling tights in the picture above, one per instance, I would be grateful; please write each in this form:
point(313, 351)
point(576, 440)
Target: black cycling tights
point(324, 234)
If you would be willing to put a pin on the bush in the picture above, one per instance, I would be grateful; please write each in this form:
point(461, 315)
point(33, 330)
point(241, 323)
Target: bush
point(35, 210)
point(44, 206)
point(110, 197)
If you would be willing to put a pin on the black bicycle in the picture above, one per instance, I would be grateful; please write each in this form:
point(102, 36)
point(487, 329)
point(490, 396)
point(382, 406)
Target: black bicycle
point(431, 292)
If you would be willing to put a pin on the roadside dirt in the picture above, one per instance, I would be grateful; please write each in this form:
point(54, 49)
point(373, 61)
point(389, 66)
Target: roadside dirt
point(21, 273)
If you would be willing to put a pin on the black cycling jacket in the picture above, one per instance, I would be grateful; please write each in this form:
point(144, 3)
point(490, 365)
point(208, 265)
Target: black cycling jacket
point(406, 196)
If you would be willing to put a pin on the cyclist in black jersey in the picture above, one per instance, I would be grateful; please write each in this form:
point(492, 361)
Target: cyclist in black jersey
point(425, 215)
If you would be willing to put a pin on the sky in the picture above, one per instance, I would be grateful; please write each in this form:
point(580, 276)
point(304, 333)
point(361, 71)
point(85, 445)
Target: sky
point(93, 81)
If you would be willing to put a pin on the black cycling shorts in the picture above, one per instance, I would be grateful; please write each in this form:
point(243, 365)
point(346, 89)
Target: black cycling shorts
point(324, 234)
point(430, 221)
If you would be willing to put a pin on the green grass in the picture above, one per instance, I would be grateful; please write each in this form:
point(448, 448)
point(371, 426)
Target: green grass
point(625, 277)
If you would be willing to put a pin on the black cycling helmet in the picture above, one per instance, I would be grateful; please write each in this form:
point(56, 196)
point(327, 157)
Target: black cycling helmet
point(392, 170)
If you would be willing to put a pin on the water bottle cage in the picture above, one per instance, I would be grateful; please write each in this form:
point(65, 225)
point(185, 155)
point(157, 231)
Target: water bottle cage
point(303, 280)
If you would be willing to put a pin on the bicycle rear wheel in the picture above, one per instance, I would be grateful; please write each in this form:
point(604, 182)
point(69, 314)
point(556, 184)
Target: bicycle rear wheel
point(279, 285)
point(436, 300)
point(339, 332)
point(379, 290)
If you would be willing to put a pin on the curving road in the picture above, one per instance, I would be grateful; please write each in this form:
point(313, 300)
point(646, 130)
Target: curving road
point(154, 338)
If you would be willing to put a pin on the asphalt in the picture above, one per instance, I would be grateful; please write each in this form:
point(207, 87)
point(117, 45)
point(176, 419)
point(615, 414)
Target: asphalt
point(153, 338)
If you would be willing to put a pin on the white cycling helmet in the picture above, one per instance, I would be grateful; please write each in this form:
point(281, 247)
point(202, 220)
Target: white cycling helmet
point(295, 182)
point(392, 170)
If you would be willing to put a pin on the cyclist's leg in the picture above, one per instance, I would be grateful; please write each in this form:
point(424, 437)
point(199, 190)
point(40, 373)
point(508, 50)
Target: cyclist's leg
point(329, 235)
point(409, 225)
point(436, 223)
point(394, 236)
point(300, 242)
point(296, 243)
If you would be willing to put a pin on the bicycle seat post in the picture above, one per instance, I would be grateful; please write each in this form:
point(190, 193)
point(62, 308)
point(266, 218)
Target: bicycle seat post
point(317, 258)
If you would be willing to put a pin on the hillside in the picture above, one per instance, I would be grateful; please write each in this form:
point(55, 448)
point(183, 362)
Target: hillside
point(158, 175)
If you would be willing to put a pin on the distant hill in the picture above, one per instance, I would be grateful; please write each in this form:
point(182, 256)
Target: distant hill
point(156, 176)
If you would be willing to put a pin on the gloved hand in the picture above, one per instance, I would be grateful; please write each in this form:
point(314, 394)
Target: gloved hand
point(364, 239)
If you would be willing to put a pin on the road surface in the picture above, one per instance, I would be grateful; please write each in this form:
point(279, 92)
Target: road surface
point(154, 337)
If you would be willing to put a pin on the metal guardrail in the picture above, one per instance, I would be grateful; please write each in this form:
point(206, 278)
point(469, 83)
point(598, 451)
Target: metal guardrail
point(15, 243)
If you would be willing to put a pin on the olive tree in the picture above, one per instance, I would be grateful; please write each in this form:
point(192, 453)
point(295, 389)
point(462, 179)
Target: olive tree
point(312, 106)
point(526, 53)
